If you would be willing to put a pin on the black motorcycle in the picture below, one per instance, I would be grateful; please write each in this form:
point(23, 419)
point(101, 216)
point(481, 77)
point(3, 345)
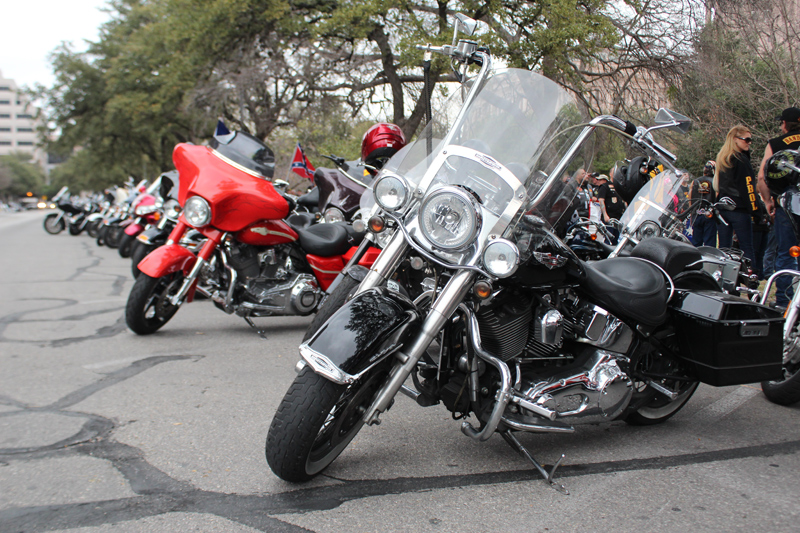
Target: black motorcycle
point(497, 319)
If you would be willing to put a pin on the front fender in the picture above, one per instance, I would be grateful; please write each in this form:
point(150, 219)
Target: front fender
point(362, 333)
point(134, 229)
point(166, 260)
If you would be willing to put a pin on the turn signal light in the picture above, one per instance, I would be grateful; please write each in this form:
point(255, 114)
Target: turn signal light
point(794, 251)
point(482, 289)
point(377, 224)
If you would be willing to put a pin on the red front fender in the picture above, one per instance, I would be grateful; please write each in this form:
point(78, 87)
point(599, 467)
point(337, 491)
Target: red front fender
point(134, 229)
point(166, 260)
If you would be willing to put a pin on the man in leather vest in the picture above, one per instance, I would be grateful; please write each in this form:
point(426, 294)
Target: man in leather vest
point(784, 233)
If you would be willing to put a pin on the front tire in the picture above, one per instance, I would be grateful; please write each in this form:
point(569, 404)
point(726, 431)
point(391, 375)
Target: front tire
point(332, 303)
point(316, 421)
point(786, 391)
point(54, 225)
point(126, 245)
point(113, 235)
point(148, 307)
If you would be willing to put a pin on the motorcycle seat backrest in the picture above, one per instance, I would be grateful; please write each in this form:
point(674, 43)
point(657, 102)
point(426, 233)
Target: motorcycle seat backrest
point(671, 255)
point(324, 240)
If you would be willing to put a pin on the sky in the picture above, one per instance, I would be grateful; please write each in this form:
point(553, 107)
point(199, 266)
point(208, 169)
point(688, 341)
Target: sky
point(31, 29)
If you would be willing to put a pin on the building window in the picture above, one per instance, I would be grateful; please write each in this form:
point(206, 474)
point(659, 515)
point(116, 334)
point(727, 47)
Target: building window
point(5, 143)
point(5, 129)
point(5, 88)
point(24, 143)
point(5, 102)
point(24, 130)
point(24, 115)
point(5, 115)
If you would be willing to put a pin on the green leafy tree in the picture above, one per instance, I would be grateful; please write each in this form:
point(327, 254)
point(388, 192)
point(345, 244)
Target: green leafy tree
point(19, 176)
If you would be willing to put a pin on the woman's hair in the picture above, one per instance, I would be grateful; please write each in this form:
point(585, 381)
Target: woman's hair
point(728, 150)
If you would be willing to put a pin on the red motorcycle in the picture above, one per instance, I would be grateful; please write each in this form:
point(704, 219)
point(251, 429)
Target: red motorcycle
point(253, 262)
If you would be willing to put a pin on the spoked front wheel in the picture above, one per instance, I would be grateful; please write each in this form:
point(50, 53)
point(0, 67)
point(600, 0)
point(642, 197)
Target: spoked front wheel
point(148, 306)
point(316, 421)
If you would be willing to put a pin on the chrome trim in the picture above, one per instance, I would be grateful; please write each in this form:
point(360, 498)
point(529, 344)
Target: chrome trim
point(323, 366)
point(504, 394)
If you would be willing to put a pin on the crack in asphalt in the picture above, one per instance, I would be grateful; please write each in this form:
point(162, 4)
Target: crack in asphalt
point(158, 493)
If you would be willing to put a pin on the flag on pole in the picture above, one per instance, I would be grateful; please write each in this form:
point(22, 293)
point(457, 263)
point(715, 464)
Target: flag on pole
point(301, 165)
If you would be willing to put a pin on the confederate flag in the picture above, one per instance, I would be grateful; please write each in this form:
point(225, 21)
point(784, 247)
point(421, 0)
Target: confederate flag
point(301, 165)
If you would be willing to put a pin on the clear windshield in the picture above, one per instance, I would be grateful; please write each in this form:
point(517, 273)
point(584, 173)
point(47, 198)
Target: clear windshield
point(512, 135)
point(661, 207)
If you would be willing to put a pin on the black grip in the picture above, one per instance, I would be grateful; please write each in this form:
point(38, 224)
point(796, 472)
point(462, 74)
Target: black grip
point(630, 128)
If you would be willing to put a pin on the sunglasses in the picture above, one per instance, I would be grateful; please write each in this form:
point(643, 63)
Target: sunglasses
point(748, 140)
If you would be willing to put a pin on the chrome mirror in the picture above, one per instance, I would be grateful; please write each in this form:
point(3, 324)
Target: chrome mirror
point(666, 118)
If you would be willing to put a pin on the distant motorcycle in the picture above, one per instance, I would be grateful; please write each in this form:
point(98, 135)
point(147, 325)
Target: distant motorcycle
point(252, 262)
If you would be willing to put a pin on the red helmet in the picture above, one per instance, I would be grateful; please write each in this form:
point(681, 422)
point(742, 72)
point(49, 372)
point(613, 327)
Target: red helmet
point(380, 143)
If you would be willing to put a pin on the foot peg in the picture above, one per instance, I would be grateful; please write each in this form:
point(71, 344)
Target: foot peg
point(548, 476)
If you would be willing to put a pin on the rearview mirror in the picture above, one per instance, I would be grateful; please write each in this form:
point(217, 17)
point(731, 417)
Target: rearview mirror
point(673, 120)
point(465, 24)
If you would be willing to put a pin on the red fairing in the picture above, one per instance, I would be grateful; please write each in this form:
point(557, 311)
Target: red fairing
point(237, 199)
point(368, 258)
point(134, 229)
point(166, 260)
point(267, 233)
point(325, 268)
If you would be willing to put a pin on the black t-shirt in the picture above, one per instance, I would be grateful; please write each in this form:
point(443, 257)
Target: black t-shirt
point(614, 204)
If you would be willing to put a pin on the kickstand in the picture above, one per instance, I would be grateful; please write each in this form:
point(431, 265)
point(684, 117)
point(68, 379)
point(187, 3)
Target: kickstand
point(261, 333)
point(548, 476)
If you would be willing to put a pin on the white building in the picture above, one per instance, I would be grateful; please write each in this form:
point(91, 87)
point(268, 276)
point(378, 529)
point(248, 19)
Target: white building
point(17, 122)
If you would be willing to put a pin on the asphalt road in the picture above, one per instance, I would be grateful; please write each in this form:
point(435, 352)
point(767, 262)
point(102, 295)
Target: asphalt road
point(102, 430)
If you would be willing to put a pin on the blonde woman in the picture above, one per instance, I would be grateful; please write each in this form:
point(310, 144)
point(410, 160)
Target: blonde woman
point(734, 178)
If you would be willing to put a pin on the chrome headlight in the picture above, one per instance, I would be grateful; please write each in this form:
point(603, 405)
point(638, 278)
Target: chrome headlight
point(648, 229)
point(333, 214)
point(197, 212)
point(501, 258)
point(391, 192)
point(143, 210)
point(450, 218)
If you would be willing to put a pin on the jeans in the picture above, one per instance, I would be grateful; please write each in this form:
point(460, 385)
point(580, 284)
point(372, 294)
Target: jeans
point(742, 224)
point(785, 239)
point(769, 254)
point(760, 241)
point(704, 231)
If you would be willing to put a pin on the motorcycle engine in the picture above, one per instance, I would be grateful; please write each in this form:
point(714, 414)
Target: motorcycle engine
point(272, 285)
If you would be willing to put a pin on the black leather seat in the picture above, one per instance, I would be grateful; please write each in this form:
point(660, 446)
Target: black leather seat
point(310, 200)
point(671, 255)
point(324, 239)
point(628, 288)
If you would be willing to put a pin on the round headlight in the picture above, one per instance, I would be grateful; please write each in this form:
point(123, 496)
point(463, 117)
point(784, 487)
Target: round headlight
point(333, 214)
point(450, 218)
point(501, 258)
point(197, 212)
point(648, 229)
point(145, 210)
point(391, 192)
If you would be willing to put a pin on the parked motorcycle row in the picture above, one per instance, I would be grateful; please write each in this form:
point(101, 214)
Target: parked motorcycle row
point(460, 265)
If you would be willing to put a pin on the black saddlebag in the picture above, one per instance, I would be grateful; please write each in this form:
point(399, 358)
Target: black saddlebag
point(727, 340)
